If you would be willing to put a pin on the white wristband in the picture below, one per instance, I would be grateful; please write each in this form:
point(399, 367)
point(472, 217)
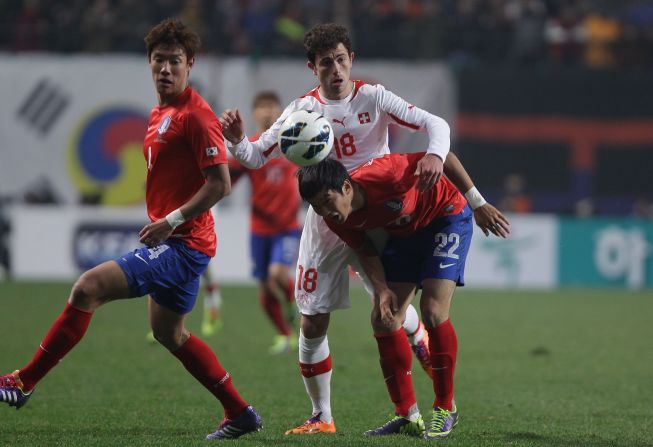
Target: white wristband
point(474, 198)
point(175, 218)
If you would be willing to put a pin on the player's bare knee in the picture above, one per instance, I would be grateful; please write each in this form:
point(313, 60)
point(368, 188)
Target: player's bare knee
point(85, 293)
point(314, 326)
point(434, 312)
point(169, 339)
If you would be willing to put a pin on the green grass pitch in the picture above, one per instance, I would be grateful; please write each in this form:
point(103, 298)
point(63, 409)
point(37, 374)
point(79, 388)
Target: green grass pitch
point(566, 368)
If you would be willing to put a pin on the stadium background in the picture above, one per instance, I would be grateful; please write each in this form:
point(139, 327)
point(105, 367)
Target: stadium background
point(549, 103)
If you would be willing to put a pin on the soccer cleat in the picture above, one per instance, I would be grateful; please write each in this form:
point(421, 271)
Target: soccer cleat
point(11, 390)
point(283, 344)
point(313, 426)
point(421, 350)
point(149, 337)
point(442, 422)
point(399, 425)
point(249, 421)
point(211, 322)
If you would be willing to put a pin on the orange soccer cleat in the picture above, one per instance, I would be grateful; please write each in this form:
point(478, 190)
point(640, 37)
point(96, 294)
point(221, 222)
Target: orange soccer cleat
point(421, 350)
point(313, 426)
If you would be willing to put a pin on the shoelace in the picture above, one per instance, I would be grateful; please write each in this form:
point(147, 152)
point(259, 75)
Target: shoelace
point(438, 419)
point(312, 420)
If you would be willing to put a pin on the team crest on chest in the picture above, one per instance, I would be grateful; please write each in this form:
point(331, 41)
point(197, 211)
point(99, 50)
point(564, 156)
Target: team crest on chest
point(364, 118)
point(163, 127)
point(394, 204)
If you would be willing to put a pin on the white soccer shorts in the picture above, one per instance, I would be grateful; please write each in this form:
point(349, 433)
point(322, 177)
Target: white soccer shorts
point(322, 275)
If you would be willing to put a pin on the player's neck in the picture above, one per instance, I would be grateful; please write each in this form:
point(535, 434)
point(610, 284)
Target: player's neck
point(360, 198)
point(336, 96)
point(166, 100)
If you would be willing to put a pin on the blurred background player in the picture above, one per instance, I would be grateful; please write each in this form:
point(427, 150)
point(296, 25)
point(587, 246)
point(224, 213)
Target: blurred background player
point(430, 232)
point(360, 114)
point(212, 318)
point(184, 140)
point(274, 226)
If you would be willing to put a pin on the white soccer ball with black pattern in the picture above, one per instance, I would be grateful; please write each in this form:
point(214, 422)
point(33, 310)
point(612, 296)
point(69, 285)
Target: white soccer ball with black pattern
point(305, 137)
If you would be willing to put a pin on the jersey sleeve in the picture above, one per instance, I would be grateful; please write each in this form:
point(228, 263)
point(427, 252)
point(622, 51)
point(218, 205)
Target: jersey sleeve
point(413, 118)
point(254, 154)
point(204, 134)
point(353, 238)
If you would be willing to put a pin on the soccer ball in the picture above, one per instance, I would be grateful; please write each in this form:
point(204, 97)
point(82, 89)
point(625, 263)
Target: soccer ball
point(305, 137)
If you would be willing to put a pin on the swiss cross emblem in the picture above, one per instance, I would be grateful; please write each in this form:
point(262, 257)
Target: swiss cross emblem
point(364, 118)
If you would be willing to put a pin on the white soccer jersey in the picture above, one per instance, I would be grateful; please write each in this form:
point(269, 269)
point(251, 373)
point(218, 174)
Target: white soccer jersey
point(360, 126)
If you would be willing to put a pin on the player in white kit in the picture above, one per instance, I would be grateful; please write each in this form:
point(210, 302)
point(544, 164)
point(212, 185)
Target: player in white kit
point(360, 114)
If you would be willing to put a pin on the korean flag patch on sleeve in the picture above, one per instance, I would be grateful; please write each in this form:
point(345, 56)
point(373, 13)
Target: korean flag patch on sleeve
point(211, 151)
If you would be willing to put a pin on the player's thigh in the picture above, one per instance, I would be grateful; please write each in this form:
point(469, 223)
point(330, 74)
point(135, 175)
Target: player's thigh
point(169, 273)
point(283, 254)
point(260, 249)
point(321, 277)
point(101, 284)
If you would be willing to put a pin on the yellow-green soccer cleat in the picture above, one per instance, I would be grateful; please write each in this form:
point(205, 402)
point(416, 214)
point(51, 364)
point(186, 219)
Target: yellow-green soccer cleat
point(211, 322)
point(283, 344)
point(399, 425)
point(442, 422)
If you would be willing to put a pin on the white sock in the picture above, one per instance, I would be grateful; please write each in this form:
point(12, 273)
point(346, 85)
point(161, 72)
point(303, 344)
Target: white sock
point(413, 327)
point(318, 387)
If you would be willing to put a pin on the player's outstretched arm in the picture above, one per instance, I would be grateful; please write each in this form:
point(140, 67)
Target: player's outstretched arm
point(233, 129)
point(384, 298)
point(487, 217)
point(217, 186)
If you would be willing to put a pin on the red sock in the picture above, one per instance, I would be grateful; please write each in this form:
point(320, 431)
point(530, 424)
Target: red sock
point(396, 363)
point(201, 362)
point(67, 330)
point(273, 309)
point(290, 291)
point(443, 345)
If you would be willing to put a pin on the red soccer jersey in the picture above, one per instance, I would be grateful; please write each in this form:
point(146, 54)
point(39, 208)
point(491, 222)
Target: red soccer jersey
point(182, 139)
point(392, 200)
point(275, 195)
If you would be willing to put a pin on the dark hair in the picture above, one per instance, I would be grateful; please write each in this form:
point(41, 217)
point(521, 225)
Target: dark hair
point(266, 95)
point(327, 174)
point(325, 37)
point(173, 32)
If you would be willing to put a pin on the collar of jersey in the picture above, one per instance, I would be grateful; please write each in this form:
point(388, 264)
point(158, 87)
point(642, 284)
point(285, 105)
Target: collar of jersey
point(338, 101)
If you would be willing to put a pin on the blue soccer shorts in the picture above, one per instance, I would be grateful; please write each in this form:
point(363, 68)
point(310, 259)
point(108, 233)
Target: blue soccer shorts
point(281, 248)
point(437, 251)
point(169, 273)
